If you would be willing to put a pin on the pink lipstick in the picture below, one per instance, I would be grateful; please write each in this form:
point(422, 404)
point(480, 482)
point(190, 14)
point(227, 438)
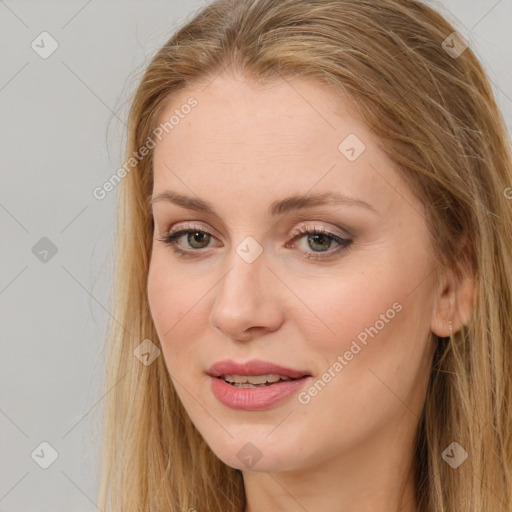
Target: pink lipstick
point(254, 385)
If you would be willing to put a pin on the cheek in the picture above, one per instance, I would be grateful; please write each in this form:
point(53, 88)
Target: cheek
point(369, 318)
point(160, 294)
point(177, 303)
point(167, 296)
point(375, 355)
point(338, 310)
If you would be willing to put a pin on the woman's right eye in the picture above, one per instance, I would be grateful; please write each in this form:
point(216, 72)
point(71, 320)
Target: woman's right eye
point(196, 239)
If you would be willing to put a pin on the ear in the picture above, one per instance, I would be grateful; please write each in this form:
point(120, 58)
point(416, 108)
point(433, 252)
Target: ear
point(453, 301)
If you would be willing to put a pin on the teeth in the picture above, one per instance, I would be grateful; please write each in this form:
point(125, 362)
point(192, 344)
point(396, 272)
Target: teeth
point(254, 379)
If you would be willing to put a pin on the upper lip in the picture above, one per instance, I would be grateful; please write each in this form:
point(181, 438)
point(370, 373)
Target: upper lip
point(253, 367)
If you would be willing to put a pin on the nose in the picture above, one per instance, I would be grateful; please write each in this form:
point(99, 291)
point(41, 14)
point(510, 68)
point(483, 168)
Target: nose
point(247, 301)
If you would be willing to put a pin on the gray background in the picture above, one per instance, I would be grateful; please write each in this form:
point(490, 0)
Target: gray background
point(62, 134)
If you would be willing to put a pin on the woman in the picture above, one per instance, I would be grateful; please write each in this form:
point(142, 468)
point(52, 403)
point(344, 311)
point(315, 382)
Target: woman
point(313, 295)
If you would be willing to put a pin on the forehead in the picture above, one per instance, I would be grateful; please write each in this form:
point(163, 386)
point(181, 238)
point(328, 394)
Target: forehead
point(288, 136)
point(237, 116)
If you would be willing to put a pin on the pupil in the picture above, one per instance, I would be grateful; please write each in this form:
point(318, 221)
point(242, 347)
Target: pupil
point(322, 237)
point(197, 237)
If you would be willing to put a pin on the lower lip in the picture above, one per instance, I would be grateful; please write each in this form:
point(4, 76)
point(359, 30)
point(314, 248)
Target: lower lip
point(253, 399)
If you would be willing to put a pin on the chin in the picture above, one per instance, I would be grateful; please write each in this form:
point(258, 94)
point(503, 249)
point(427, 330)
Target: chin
point(255, 456)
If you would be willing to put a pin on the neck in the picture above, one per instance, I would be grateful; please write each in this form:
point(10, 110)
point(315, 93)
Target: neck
point(372, 477)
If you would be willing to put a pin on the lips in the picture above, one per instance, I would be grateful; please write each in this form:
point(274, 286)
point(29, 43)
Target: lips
point(242, 395)
point(254, 367)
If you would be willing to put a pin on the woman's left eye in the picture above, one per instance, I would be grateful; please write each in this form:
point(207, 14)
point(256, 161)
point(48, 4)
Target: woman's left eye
point(321, 239)
point(317, 239)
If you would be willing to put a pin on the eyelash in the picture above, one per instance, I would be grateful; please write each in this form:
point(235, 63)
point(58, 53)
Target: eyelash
point(344, 243)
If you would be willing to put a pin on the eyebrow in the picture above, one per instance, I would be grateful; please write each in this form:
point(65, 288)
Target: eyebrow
point(294, 202)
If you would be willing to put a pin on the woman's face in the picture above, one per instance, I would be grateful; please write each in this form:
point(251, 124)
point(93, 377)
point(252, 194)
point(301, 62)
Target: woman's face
point(350, 307)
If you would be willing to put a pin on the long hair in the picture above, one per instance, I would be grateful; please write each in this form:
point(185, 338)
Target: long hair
point(429, 104)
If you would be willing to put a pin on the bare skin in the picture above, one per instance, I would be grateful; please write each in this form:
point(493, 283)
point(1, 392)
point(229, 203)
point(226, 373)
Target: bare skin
point(350, 446)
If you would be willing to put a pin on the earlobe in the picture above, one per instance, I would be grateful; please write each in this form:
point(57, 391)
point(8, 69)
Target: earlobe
point(453, 303)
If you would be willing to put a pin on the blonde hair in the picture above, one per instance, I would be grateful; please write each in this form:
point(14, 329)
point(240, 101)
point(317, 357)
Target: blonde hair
point(435, 116)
